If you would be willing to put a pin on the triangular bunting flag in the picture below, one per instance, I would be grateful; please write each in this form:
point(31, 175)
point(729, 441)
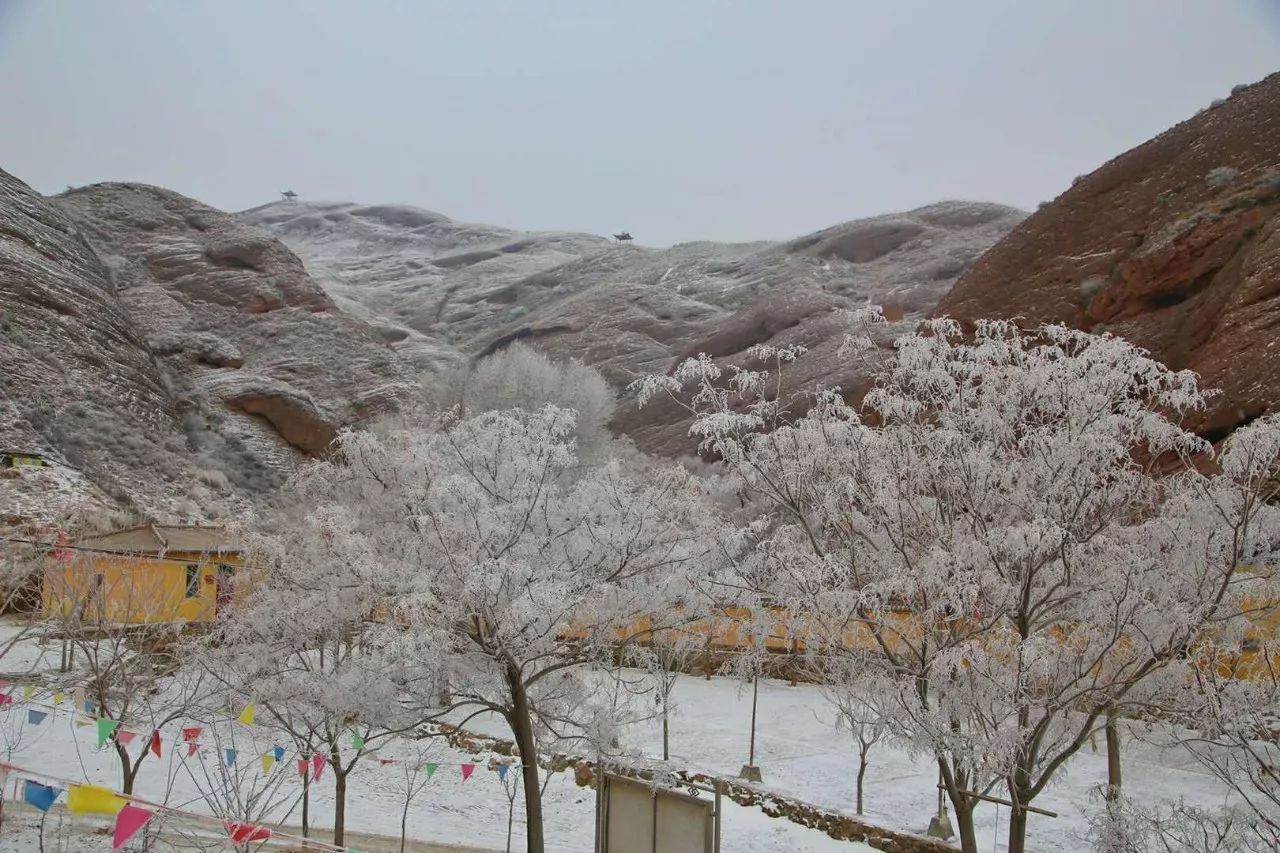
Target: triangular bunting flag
point(155, 743)
point(267, 761)
point(125, 737)
point(357, 740)
point(105, 728)
point(191, 748)
point(77, 697)
point(385, 761)
point(35, 717)
point(40, 796)
point(431, 769)
point(230, 756)
point(467, 770)
point(89, 706)
point(93, 799)
point(191, 734)
point(278, 752)
point(243, 833)
point(58, 696)
point(318, 762)
point(246, 716)
point(304, 765)
point(6, 699)
point(81, 722)
point(128, 822)
point(502, 772)
point(28, 691)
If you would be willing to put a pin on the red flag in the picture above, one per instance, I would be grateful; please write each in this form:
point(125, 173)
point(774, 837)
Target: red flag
point(385, 761)
point(467, 770)
point(303, 766)
point(128, 822)
point(242, 833)
point(191, 734)
point(317, 763)
point(6, 699)
point(191, 749)
point(155, 742)
point(124, 737)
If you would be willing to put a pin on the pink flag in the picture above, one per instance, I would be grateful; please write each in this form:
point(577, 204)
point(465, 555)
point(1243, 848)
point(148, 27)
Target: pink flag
point(128, 822)
point(242, 833)
point(385, 761)
point(303, 766)
point(467, 770)
point(155, 742)
point(317, 763)
point(191, 749)
point(6, 699)
point(124, 737)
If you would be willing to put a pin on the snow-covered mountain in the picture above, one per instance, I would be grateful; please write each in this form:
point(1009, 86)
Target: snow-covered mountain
point(442, 289)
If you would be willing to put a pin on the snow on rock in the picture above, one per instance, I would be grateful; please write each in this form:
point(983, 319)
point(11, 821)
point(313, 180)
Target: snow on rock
point(431, 282)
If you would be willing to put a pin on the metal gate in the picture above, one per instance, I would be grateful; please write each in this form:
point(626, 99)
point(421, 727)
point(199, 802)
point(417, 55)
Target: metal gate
point(633, 817)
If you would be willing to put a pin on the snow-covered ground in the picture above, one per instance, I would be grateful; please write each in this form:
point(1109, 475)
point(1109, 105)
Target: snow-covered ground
point(797, 747)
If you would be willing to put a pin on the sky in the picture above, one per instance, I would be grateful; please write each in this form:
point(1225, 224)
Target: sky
point(673, 119)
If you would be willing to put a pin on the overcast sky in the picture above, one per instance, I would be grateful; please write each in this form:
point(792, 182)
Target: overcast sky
point(674, 119)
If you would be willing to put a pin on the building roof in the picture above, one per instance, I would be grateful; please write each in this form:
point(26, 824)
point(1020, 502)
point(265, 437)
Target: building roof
point(161, 538)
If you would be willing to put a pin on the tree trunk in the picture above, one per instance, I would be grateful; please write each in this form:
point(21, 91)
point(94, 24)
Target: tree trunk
point(1113, 761)
point(306, 805)
point(964, 828)
point(862, 771)
point(128, 771)
point(404, 816)
point(1017, 831)
point(666, 733)
point(339, 807)
point(521, 721)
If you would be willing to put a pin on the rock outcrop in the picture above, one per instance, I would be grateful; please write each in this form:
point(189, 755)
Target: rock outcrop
point(167, 357)
point(1174, 245)
point(451, 290)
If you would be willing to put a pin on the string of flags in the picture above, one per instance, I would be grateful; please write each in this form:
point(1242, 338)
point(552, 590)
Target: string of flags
point(309, 767)
point(133, 813)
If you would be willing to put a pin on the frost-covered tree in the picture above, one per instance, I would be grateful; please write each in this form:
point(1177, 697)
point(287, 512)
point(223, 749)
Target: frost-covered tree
point(993, 525)
point(520, 566)
point(863, 706)
point(314, 647)
point(663, 657)
point(520, 376)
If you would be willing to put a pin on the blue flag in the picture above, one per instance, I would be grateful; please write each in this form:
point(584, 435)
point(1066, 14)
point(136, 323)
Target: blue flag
point(40, 796)
point(231, 756)
point(35, 717)
point(502, 772)
point(279, 753)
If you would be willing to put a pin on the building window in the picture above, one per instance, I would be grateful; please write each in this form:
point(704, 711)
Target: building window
point(193, 581)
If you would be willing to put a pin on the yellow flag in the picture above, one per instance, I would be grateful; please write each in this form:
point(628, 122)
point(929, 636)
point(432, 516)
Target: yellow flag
point(28, 691)
point(246, 716)
point(84, 721)
point(267, 761)
point(93, 799)
point(58, 696)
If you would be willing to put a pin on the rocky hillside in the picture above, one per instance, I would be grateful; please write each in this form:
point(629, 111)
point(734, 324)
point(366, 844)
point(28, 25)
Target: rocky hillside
point(442, 289)
point(1174, 245)
point(167, 357)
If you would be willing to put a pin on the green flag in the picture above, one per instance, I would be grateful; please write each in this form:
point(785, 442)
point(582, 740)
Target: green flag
point(431, 770)
point(357, 741)
point(105, 728)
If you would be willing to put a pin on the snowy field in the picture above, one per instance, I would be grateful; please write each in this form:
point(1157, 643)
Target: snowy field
point(797, 747)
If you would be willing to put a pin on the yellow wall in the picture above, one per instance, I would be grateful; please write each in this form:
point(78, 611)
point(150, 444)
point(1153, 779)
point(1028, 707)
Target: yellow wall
point(135, 590)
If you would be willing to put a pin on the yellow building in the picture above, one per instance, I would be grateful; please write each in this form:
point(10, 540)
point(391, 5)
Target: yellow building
point(144, 575)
